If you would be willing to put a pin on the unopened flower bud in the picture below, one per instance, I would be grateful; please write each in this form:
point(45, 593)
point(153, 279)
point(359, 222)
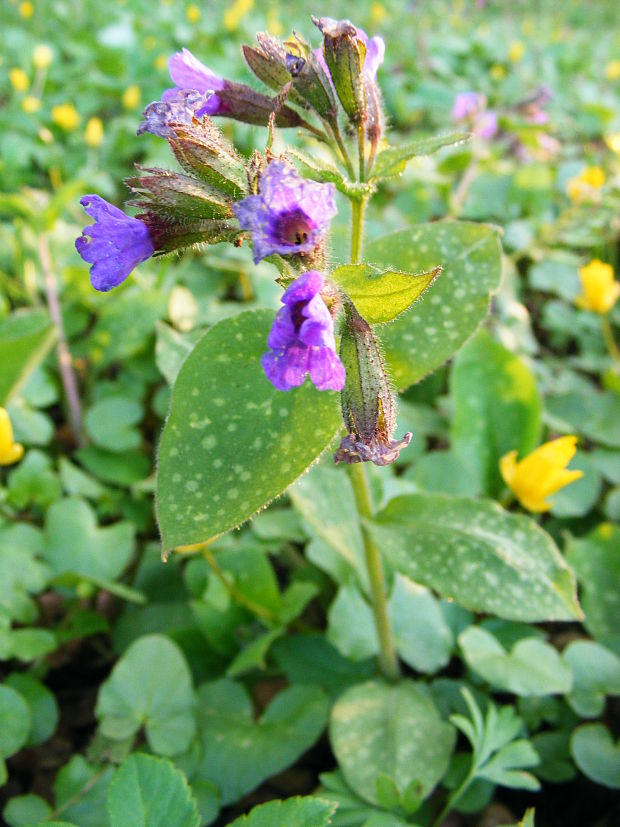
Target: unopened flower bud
point(368, 406)
point(344, 51)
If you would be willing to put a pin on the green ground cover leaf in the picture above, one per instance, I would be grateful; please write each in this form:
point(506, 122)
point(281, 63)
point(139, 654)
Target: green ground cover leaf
point(497, 409)
point(395, 730)
point(301, 812)
point(232, 442)
point(439, 324)
point(25, 338)
point(150, 792)
point(150, 686)
point(239, 753)
point(596, 754)
point(393, 159)
point(465, 549)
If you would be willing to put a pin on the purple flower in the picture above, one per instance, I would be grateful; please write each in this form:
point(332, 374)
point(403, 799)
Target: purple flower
point(114, 244)
point(289, 215)
point(178, 106)
point(187, 72)
point(301, 339)
point(467, 104)
point(486, 125)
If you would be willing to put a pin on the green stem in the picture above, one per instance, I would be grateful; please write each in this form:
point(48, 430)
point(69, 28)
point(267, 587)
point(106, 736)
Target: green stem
point(260, 611)
point(610, 342)
point(361, 145)
point(358, 208)
point(343, 150)
point(453, 798)
point(387, 652)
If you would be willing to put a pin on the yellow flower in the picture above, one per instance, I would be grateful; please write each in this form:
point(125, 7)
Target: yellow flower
point(131, 97)
point(193, 14)
point(66, 116)
point(19, 80)
point(497, 71)
point(42, 56)
point(541, 473)
point(613, 142)
point(10, 451)
point(528, 27)
point(150, 42)
point(26, 9)
point(161, 62)
point(586, 185)
point(599, 290)
point(378, 13)
point(93, 134)
point(30, 104)
point(516, 51)
point(612, 70)
point(235, 14)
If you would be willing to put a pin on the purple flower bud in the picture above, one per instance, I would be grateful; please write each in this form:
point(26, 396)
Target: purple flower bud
point(187, 72)
point(486, 125)
point(467, 104)
point(289, 215)
point(302, 341)
point(114, 244)
point(375, 46)
point(177, 106)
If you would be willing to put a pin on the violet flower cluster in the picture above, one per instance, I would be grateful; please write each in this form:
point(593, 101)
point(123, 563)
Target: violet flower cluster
point(289, 216)
point(302, 341)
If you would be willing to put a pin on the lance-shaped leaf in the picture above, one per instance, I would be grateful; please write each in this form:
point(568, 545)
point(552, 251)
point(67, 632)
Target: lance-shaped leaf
point(233, 442)
point(25, 338)
point(381, 295)
point(477, 554)
point(393, 159)
point(323, 171)
point(438, 326)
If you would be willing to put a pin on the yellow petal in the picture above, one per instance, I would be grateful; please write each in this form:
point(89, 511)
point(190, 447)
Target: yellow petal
point(508, 467)
point(13, 454)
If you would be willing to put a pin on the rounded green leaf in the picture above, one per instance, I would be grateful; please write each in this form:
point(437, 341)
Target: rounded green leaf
point(25, 810)
point(532, 667)
point(15, 721)
point(150, 686)
point(477, 554)
point(393, 730)
point(232, 441)
point(110, 424)
point(442, 321)
point(150, 792)
point(596, 755)
point(596, 674)
point(42, 704)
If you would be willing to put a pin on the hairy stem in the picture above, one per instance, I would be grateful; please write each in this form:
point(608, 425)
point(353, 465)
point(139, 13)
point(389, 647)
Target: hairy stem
point(65, 363)
point(387, 652)
point(343, 150)
point(358, 208)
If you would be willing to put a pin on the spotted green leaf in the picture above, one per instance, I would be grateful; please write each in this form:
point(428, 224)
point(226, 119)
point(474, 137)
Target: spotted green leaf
point(442, 321)
point(377, 729)
point(232, 442)
point(477, 554)
point(393, 159)
point(381, 295)
point(150, 792)
point(25, 338)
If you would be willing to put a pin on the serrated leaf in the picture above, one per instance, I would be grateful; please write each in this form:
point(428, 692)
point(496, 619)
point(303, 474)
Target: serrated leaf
point(150, 686)
point(238, 753)
point(25, 338)
point(233, 442)
point(300, 812)
point(442, 321)
point(381, 295)
point(497, 409)
point(150, 792)
point(376, 728)
point(392, 160)
point(532, 667)
point(477, 554)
